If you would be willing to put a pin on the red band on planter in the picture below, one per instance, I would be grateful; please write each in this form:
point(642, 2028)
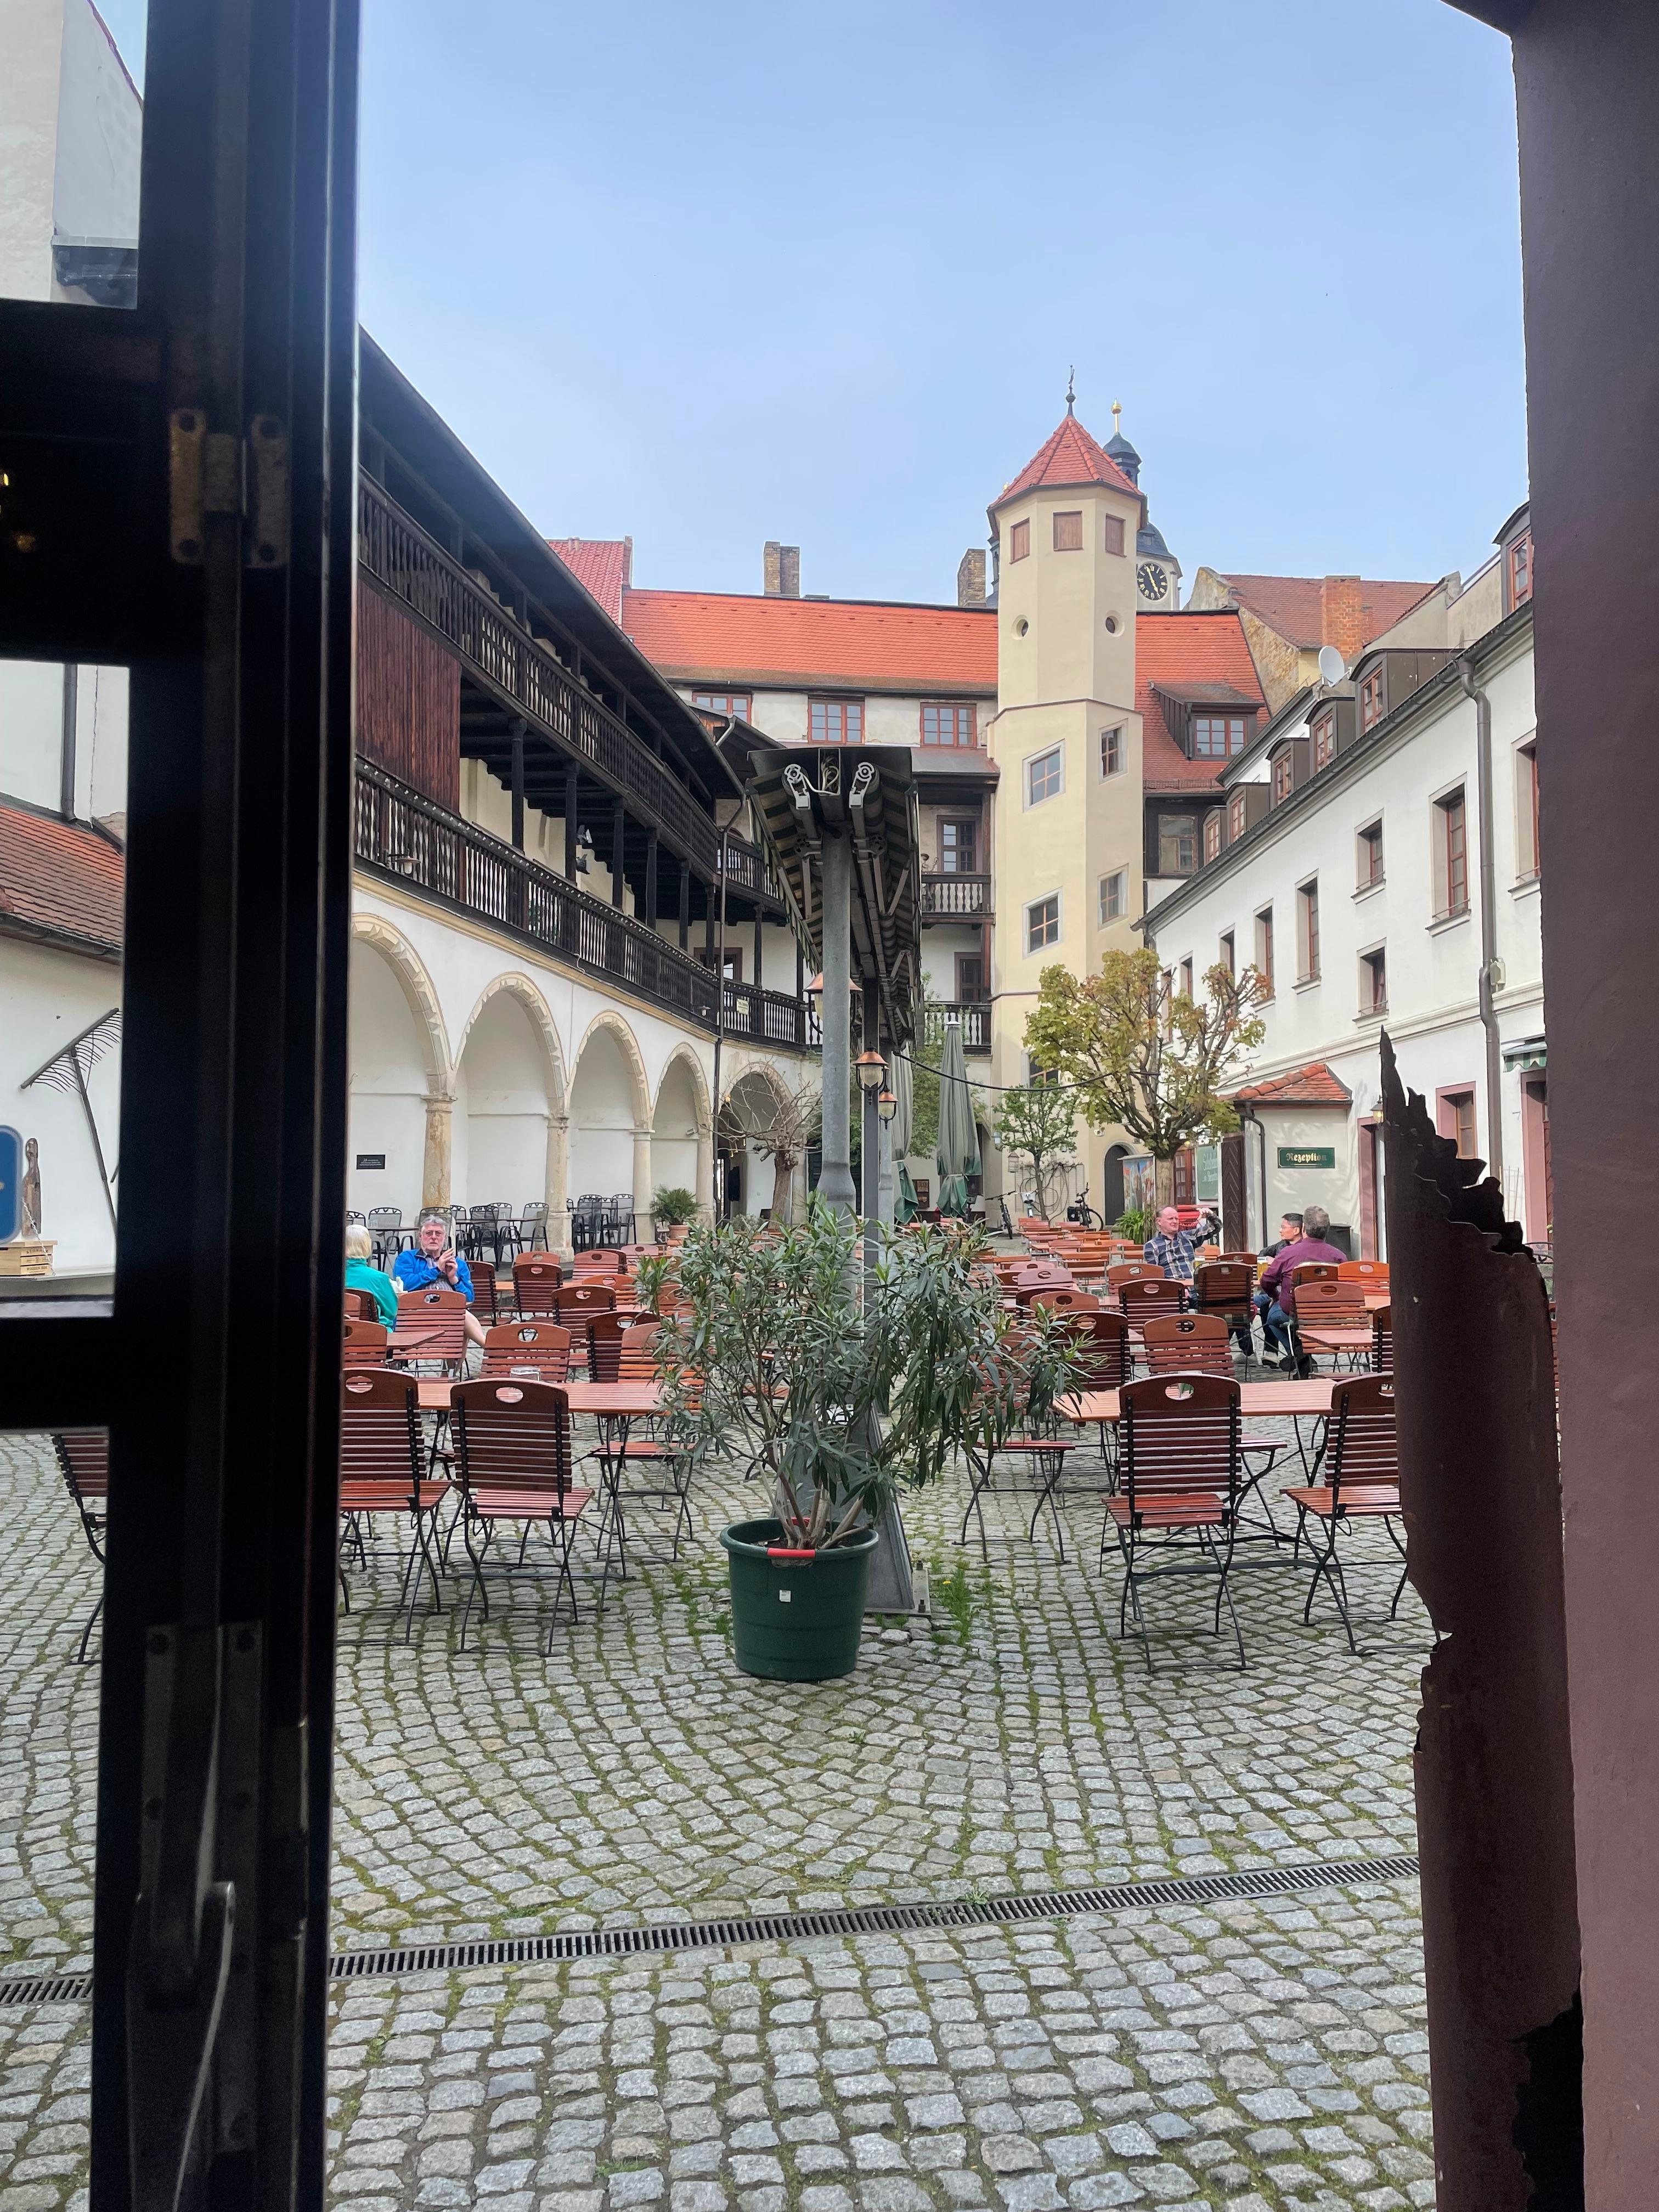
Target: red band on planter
point(783, 1552)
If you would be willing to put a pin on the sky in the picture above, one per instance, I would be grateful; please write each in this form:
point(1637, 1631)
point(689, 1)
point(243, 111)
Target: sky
point(706, 275)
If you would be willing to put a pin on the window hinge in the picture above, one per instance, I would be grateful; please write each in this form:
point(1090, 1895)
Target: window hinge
point(212, 472)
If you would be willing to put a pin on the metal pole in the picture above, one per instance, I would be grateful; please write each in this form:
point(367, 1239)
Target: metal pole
point(835, 1174)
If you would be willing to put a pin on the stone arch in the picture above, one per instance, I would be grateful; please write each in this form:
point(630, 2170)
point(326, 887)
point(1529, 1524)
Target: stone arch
point(610, 1115)
point(681, 1125)
point(401, 1075)
point(510, 1133)
point(683, 1055)
point(751, 1184)
point(416, 985)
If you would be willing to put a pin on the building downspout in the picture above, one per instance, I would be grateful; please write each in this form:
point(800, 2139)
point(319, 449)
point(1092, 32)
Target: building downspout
point(1488, 916)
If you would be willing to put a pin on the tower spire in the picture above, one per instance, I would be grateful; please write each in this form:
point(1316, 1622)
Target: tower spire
point(1070, 388)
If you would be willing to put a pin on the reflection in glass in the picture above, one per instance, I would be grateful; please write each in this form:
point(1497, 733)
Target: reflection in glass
point(71, 122)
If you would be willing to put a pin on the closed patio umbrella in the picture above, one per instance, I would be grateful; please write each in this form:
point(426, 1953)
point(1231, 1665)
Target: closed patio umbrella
point(958, 1139)
point(903, 1126)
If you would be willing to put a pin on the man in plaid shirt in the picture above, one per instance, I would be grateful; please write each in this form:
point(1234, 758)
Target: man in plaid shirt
point(1172, 1246)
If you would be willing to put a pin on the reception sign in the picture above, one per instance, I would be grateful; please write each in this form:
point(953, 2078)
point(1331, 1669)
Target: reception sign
point(1307, 1156)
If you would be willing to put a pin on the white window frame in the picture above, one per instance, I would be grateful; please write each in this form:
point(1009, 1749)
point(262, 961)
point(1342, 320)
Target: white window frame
point(1113, 729)
point(1049, 943)
point(1047, 752)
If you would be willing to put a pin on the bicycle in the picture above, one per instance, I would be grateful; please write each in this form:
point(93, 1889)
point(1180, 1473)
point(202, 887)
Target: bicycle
point(1082, 1213)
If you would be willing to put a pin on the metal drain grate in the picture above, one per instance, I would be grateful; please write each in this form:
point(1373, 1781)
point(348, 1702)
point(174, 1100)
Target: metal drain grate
point(383, 1965)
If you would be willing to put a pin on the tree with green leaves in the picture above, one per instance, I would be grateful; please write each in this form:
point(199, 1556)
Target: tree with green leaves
point(1146, 1057)
point(1040, 1125)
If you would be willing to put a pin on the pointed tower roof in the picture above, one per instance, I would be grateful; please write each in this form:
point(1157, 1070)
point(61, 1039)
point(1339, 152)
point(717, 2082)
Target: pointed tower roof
point(1070, 457)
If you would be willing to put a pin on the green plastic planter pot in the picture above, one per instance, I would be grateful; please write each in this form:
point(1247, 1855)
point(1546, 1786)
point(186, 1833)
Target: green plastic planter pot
point(796, 1616)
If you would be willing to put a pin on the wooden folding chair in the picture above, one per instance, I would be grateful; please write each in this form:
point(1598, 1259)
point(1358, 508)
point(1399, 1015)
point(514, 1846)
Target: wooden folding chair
point(487, 1302)
point(1062, 1301)
point(1200, 1344)
point(1144, 1298)
point(382, 1455)
point(360, 1305)
point(512, 1460)
point(365, 1344)
point(1329, 1302)
point(83, 1461)
point(1382, 1340)
point(1180, 1475)
point(538, 1349)
point(1362, 1483)
point(440, 1313)
point(536, 1283)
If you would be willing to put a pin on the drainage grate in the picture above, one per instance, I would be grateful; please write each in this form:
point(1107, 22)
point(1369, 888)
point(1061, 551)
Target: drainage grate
point(383, 1965)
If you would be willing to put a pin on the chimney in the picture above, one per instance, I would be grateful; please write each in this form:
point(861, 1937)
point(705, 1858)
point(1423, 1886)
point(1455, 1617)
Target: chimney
point(970, 577)
point(1342, 616)
point(783, 570)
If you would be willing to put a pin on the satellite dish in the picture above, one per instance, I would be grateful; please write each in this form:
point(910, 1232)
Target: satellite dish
point(1332, 667)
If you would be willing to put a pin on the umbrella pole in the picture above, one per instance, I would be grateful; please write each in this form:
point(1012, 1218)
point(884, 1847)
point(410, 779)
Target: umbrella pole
point(835, 1174)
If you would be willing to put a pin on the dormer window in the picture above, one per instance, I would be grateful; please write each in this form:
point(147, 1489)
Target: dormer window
point(1215, 736)
point(1520, 570)
point(1213, 836)
point(1068, 532)
point(1284, 774)
point(1324, 740)
point(1235, 817)
point(1370, 699)
point(1019, 540)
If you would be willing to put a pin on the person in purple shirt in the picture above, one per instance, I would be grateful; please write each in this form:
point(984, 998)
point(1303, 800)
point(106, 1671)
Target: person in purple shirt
point(1276, 1322)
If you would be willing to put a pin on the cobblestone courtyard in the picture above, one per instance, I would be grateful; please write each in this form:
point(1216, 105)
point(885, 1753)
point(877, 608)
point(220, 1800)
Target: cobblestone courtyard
point(1253, 2055)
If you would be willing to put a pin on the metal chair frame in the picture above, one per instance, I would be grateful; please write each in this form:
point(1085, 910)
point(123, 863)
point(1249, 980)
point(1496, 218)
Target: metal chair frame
point(382, 1455)
point(514, 1463)
point(1362, 1482)
point(83, 1461)
point(1181, 1479)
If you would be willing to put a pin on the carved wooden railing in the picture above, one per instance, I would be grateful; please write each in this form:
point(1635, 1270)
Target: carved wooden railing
point(967, 898)
point(974, 1014)
point(404, 834)
point(414, 570)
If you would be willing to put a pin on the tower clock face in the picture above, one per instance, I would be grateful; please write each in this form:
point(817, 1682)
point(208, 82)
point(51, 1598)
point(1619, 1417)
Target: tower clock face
point(1152, 580)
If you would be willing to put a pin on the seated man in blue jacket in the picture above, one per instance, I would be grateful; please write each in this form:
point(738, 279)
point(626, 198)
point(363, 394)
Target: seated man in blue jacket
point(433, 1261)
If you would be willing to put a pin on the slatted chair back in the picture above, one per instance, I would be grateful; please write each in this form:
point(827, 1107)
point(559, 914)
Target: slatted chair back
point(1144, 1297)
point(380, 1442)
point(84, 1462)
point(1362, 1452)
point(1043, 1274)
point(535, 1285)
point(603, 1260)
point(540, 1349)
point(1178, 1435)
point(1060, 1301)
point(1311, 1271)
point(486, 1294)
point(1238, 1260)
point(584, 1298)
point(604, 1336)
point(1129, 1270)
point(636, 1353)
point(1382, 1340)
point(1374, 1274)
point(1329, 1301)
point(1187, 1344)
point(365, 1343)
point(360, 1306)
point(511, 1435)
point(440, 1313)
point(1223, 1282)
point(1104, 1355)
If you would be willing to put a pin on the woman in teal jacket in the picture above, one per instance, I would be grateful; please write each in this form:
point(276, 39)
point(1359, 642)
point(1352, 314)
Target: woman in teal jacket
point(360, 1274)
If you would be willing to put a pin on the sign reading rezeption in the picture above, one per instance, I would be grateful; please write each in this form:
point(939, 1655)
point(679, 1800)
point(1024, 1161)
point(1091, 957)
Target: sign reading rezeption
point(1307, 1156)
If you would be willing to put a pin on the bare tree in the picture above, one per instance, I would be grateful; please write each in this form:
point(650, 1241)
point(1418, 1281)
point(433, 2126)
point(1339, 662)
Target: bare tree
point(779, 1129)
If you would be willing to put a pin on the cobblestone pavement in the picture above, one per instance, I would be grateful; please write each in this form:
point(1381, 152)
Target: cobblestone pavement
point(1268, 2055)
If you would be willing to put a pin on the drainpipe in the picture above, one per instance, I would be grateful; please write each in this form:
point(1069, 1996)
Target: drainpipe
point(1488, 915)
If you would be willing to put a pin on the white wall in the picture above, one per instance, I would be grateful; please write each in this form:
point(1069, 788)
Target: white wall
point(71, 123)
point(890, 718)
point(504, 1100)
point(50, 996)
point(32, 735)
point(1432, 968)
point(389, 1082)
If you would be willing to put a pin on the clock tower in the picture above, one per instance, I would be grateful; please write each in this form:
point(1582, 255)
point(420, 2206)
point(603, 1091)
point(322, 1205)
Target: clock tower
point(1157, 573)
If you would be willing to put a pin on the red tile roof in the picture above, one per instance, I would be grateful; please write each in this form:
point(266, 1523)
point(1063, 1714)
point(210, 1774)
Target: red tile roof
point(603, 565)
point(60, 880)
point(1294, 606)
point(1191, 656)
point(1312, 1086)
point(738, 639)
point(1070, 457)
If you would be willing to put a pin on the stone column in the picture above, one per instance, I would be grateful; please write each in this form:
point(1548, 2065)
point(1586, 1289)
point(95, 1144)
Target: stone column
point(558, 1180)
point(434, 1166)
point(706, 1171)
point(642, 1185)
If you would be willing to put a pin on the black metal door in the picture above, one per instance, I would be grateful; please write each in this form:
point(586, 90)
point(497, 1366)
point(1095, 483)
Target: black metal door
point(179, 477)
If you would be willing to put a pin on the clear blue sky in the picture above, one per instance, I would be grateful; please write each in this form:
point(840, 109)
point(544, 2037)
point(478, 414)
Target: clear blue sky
point(712, 274)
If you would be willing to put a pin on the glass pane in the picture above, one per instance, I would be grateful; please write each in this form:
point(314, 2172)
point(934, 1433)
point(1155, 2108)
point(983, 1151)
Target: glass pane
point(71, 124)
point(62, 864)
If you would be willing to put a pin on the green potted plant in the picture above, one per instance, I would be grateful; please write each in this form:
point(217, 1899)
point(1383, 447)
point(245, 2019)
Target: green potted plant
point(673, 1206)
point(833, 1403)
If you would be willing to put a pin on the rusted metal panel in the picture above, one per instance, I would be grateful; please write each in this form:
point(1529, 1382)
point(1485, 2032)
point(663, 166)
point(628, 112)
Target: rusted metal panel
point(1480, 1486)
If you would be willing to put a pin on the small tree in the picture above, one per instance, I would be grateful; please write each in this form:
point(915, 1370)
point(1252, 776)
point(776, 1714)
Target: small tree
point(780, 1130)
point(1146, 1057)
point(1040, 1125)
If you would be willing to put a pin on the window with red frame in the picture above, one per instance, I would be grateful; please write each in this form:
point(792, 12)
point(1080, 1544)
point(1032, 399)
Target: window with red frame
point(1215, 737)
point(946, 722)
point(1307, 917)
point(1455, 1116)
point(1370, 699)
point(1264, 946)
point(1374, 982)
point(1526, 809)
point(837, 721)
point(1324, 740)
point(1213, 836)
point(1284, 772)
point(1235, 817)
point(725, 703)
point(1521, 570)
point(1452, 838)
point(1019, 540)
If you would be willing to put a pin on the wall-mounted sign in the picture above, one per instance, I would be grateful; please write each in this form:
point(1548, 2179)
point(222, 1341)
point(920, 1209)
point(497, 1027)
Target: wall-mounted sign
point(1307, 1156)
point(371, 1159)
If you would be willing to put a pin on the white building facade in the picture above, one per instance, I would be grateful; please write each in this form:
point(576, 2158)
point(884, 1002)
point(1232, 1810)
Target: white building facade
point(1361, 879)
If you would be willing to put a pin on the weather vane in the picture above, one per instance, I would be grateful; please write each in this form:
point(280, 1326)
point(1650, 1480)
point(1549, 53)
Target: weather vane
point(1117, 417)
point(1070, 388)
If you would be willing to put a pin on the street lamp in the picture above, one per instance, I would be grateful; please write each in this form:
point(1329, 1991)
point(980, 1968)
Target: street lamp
point(869, 1068)
point(887, 1105)
point(815, 990)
